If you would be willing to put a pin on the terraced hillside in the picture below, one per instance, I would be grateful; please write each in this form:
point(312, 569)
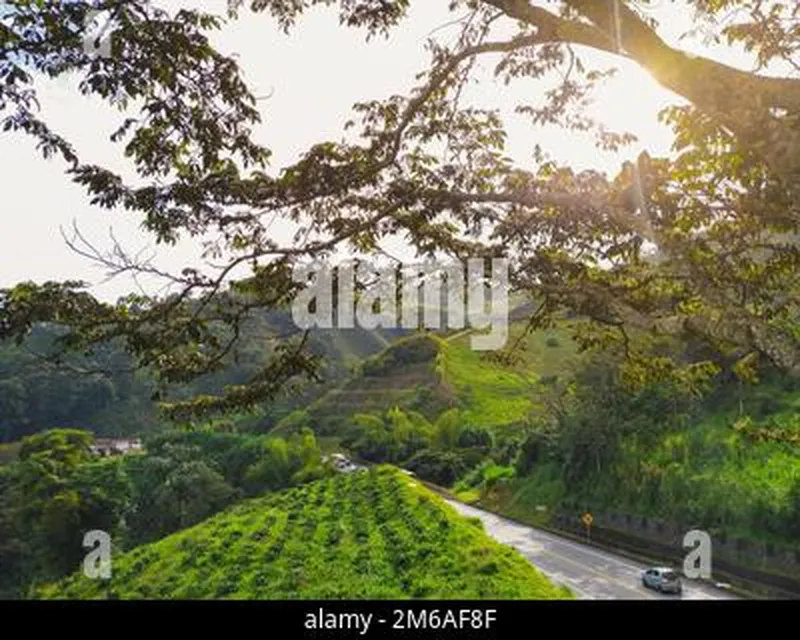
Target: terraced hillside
point(376, 393)
point(431, 373)
point(372, 534)
point(403, 375)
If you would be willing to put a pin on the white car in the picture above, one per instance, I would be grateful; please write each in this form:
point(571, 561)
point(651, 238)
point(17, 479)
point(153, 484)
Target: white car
point(342, 464)
point(662, 579)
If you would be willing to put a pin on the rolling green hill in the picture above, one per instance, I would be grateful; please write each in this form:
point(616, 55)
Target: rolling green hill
point(431, 373)
point(374, 534)
point(657, 453)
point(497, 389)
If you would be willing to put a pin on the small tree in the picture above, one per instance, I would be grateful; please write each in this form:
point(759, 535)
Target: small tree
point(447, 429)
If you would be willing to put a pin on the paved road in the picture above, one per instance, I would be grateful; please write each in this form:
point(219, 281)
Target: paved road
point(590, 573)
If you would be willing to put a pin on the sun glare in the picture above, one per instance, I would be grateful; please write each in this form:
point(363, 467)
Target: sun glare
point(631, 103)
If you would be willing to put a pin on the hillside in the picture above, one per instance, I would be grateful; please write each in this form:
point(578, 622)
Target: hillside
point(373, 534)
point(431, 373)
point(115, 401)
point(498, 389)
point(542, 429)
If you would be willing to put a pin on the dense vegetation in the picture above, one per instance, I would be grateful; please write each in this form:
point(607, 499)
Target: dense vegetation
point(545, 425)
point(104, 393)
point(706, 252)
point(538, 425)
point(371, 534)
point(728, 462)
point(56, 491)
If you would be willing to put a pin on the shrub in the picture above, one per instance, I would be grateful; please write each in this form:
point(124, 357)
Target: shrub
point(310, 474)
point(474, 437)
point(411, 351)
point(440, 467)
point(494, 473)
point(532, 450)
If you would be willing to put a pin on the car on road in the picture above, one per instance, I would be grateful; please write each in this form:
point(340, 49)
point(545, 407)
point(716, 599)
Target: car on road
point(662, 579)
point(342, 463)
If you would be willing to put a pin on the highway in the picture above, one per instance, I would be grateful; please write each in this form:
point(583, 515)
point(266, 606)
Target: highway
point(591, 574)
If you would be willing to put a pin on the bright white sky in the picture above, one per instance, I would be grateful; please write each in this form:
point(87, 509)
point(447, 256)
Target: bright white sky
point(314, 76)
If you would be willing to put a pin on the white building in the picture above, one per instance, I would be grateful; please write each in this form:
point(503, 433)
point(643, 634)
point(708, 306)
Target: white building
point(115, 446)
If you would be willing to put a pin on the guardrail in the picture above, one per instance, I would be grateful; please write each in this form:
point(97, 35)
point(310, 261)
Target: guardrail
point(746, 581)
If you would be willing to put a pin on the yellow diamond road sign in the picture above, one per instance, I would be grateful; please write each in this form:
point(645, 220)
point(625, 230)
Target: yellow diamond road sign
point(587, 519)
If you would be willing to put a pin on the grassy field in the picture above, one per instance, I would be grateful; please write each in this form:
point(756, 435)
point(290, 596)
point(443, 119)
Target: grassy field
point(495, 393)
point(374, 534)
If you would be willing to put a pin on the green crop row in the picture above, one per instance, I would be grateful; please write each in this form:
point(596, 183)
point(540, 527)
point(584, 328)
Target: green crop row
point(372, 534)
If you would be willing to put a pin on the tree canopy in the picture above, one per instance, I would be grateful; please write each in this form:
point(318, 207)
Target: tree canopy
point(710, 252)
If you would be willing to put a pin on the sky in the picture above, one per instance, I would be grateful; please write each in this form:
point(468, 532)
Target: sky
point(312, 77)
